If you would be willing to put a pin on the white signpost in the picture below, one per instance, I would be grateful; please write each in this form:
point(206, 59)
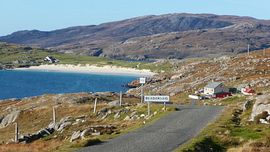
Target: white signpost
point(149, 99)
point(142, 82)
point(157, 99)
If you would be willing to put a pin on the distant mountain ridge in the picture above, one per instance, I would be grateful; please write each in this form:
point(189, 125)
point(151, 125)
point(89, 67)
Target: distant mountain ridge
point(162, 36)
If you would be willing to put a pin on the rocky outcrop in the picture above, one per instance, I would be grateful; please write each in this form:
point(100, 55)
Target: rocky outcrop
point(93, 131)
point(96, 52)
point(8, 119)
point(38, 135)
point(76, 135)
point(58, 126)
point(261, 105)
point(134, 84)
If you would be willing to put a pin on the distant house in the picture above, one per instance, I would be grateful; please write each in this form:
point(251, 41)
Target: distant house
point(214, 88)
point(51, 59)
point(248, 91)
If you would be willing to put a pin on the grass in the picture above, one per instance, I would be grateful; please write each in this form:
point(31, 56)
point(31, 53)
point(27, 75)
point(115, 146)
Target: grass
point(20, 56)
point(136, 125)
point(32, 120)
point(245, 133)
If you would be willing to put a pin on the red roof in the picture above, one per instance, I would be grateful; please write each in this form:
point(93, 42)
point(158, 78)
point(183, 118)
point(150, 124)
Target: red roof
point(249, 90)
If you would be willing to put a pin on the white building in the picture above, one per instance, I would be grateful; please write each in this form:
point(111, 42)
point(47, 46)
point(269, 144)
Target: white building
point(214, 88)
point(51, 59)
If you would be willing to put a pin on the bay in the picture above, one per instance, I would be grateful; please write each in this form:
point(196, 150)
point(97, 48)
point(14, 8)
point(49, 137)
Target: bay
point(19, 84)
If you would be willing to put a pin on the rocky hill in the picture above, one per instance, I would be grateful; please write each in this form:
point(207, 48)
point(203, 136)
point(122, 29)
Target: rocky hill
point(164, 36)
point(190, 75)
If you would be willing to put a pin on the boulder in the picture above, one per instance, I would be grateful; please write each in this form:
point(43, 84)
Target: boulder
point(114, 103)
point(96, 134)
point(64, 125)
point(87, 132)
point(177, 76)
point(247, 105)
point(134, 84)
point(38, 135)
point(262, 104)
point(76, 135)
point(44, 132)
point(66, 119)
point(51, 125)
point(117, 115)
point(135, 117)
point(148, 117)
point(104, 116)
point(142, 115)
point(133, 113)
point(10, 118)
point(127, 118)
point(263, 121)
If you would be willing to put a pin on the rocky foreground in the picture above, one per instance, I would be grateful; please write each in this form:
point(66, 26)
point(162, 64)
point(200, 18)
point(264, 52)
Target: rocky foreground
point(76, 121)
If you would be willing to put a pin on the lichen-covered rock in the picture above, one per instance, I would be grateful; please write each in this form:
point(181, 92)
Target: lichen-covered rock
point(76, 135)
point(134, 84)
point(64, 125)
point(38, 135)
point(262, 104)
point(86, 132)
point(10, 118)
point(117, 115)
point(127, 118)
point(114, 103)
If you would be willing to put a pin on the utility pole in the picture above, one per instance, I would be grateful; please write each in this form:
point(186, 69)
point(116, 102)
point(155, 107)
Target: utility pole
point(16, 133)
point(148, 108)
point(164, 106)
point(142, 82)
point(54, 116)
point(248, 49)
point(95, 105)
point(120, 100)
point(142, 93)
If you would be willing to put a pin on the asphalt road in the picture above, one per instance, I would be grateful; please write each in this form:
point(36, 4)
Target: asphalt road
point(164, 135)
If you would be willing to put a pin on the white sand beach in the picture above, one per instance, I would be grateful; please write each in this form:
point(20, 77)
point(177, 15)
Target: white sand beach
point(113, 70)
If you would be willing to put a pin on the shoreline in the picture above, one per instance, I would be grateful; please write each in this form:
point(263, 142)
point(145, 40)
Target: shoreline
point(89, 69)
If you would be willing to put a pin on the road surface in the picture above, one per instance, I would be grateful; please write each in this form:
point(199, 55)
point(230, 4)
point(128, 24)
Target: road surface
point(164, 135)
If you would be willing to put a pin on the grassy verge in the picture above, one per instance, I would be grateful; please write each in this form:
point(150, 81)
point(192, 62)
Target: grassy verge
point(68, 147)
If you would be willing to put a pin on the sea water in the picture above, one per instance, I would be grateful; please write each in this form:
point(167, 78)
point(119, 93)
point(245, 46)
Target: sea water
point(19, 84)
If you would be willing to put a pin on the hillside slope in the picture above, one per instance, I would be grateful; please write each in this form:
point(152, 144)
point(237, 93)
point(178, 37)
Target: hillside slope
point(163, 36)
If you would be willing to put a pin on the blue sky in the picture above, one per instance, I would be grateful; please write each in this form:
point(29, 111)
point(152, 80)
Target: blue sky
point(55, 14)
